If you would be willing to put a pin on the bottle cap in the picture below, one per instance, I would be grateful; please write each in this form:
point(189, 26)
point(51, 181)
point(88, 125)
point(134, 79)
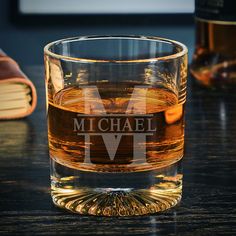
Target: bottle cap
point(216, 10)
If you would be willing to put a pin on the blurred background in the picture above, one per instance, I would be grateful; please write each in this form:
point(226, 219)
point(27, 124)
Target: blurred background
point(27, 25)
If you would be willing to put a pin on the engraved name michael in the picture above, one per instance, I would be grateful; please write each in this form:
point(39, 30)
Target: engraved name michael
point(111, 127)
point(114, 123)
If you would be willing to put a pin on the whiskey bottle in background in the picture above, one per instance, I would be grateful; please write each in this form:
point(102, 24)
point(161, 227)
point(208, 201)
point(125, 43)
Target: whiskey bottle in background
point(214, 60)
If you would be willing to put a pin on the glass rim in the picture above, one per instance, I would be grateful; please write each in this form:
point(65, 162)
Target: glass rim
point(184, 49)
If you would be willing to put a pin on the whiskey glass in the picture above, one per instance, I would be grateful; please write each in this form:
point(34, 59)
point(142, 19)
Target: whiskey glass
point(115, 110)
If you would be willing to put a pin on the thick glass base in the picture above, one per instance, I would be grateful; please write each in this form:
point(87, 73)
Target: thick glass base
point(116, 194)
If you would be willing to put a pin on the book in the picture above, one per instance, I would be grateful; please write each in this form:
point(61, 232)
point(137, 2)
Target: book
point(18, 96)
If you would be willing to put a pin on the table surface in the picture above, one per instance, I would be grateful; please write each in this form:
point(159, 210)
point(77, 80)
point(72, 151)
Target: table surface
point(208, 206)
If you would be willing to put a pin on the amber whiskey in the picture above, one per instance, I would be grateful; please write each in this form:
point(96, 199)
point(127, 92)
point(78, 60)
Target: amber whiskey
point(214, 60)
point(121, 138)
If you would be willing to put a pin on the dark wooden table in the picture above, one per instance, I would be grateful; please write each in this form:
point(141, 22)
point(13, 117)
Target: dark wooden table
point(208, 206)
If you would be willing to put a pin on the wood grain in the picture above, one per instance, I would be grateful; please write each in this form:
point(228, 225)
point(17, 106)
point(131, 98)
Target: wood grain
point(208, 206)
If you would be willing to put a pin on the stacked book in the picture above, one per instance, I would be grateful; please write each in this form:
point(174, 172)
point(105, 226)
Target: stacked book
point(17, 93)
